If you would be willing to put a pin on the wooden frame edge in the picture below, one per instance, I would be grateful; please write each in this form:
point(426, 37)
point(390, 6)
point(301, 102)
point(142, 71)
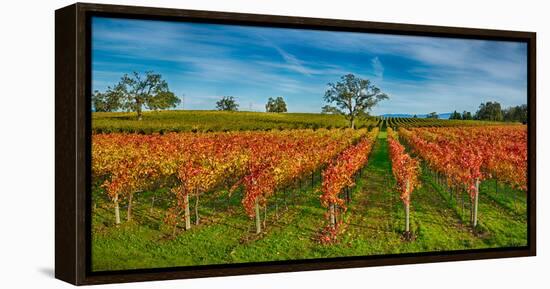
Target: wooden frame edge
point(65, 149)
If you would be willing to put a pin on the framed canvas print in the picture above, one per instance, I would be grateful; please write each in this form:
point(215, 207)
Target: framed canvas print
point(196, 143)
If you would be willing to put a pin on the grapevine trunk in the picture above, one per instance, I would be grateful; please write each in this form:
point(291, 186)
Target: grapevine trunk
point(117, 211)
point(187, 213)
point(258, 221)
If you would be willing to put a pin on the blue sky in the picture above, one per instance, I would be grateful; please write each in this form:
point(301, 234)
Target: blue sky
point(207, 61)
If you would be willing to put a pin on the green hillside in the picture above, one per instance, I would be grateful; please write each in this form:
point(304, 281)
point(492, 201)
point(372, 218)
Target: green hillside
point(203, 121)
point(207, 121)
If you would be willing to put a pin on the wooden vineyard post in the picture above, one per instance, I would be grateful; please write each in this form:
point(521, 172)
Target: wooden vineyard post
point(258, 221)
point(475, 203)
point(187, 213)
point(129, 210)
point(197, 209)
point(117, 211)
point(462, 204)
point(276, 209)
point(471, 210)
point(407, 204)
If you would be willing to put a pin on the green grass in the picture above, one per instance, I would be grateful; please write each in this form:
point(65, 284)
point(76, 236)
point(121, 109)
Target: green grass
point(187, 120)
point(374, 224)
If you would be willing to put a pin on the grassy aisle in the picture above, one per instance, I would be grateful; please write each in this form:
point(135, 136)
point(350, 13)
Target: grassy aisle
point(514, 201)
point(378, 219)
point(375, 222)
point(500, 221)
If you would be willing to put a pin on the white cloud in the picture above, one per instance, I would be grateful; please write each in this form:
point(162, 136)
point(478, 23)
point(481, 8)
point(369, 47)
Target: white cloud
point(378, 68)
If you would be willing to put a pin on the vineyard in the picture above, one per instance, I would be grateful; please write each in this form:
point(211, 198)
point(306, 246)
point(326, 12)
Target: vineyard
point(463, 157)
point(395, 185)
point(213, 121)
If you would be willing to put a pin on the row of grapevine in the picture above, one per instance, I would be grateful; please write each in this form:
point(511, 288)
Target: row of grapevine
point(465, 156)
point(272, 168)
point(410, 122)
point(197, 163)
point(504, 151)
point(339, 176)
point(406, 171)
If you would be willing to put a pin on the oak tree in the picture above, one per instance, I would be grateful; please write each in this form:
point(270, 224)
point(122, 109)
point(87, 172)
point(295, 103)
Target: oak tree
point(134, 93)
point(353, 97)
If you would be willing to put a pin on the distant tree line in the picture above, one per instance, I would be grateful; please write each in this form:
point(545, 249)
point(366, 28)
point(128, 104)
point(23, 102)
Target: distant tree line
point(465, 115)
point(516, 113)
point(492, 111)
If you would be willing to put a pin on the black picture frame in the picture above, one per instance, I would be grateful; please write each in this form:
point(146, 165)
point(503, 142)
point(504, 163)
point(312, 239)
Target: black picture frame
point(73, 139)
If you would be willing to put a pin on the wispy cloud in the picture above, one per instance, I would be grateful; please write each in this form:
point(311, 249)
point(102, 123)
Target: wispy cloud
point(205, 61)
point(292, 62)
point(378, 68)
